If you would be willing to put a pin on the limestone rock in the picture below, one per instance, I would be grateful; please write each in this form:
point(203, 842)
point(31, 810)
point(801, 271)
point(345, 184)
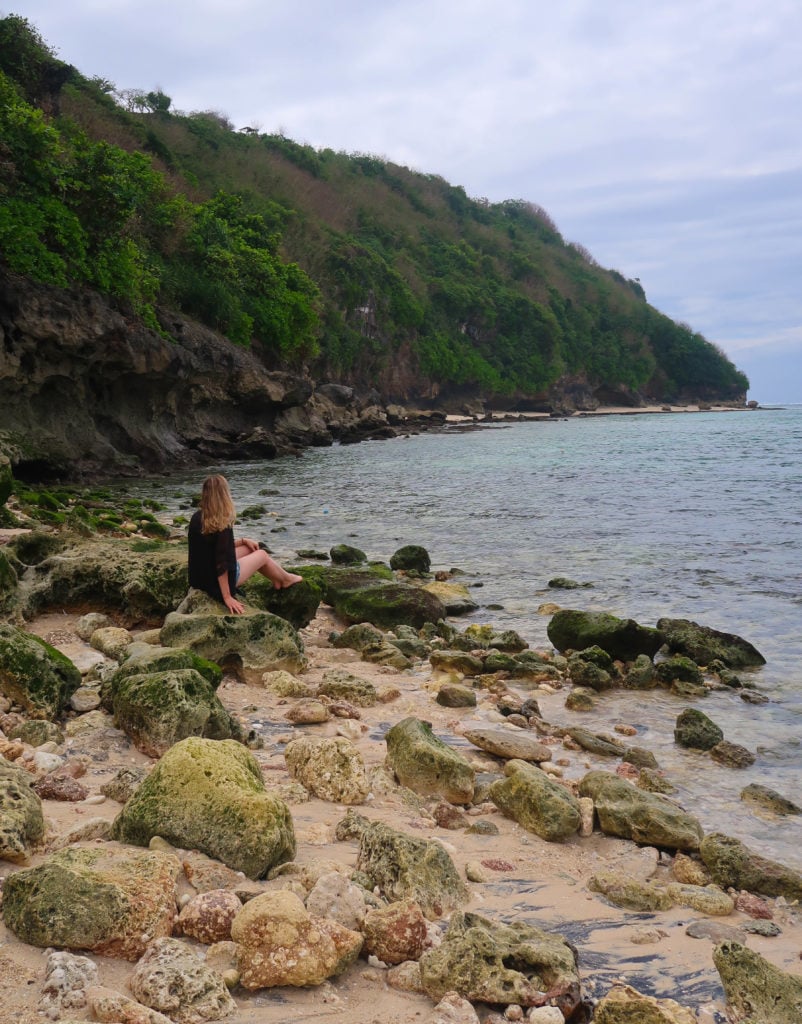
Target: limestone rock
point(308, 712)
point(476, 958)
point(112, 641)
point(22, 822)
point(755, 988)
point(209, 796)
point(403, 866)
point(732, 755)
point(335, 896)
point(331, 768)
point(508, 742)
point(66, 982)
point(624, 891)
point(452, 695)
point(455, 597)
point(280, 943)
point(207, 917)
point(453, 1009)
point(395, 933)
point(733, 865)
point(362, 595)
point(457, 663)
point(706, 899)
point(341, 685)
point(110, 901)
point(108, 1005)
point(247, 645)
point(171, 979)
point(762, 796)
point(537, 803)
point(425, 764)
point(625, 1005)
point(87, 624)
point(646, 818)
point(35, 675)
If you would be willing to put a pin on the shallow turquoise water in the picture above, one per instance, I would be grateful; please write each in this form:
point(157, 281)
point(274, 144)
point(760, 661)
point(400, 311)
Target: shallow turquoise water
point(695, 515)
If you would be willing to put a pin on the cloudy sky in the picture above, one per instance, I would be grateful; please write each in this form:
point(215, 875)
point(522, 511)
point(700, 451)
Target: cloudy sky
point(665, 136)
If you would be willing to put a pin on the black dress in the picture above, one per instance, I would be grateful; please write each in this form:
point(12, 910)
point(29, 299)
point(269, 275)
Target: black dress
point(210, 555)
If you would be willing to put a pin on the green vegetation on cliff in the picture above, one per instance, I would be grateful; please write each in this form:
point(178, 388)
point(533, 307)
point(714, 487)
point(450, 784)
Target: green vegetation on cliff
point(353, 267)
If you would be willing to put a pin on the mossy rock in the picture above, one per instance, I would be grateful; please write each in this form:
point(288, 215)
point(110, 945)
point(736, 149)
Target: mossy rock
point(363, 596)
point(411, 557)
point(678, 668)
point(210, 796)
point(345, 554)
point(297, 604)
point(622, 639)
point(35, 675)
point(8, 584)
point(756, 990)
point(695, 731)
point(703, 644)
point(22, 823)
point(147, 659)
point(425, 764)
point(6, 479)
point(34, 547)
point(733, 865)
point(530, 797)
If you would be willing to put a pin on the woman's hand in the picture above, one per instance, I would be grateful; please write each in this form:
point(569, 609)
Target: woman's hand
point(233, 605)
point(251, 545)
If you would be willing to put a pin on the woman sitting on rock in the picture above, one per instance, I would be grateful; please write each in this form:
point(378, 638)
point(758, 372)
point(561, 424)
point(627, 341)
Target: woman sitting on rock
point(218, 563)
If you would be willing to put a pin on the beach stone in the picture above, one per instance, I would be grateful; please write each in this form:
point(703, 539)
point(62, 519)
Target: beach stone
point(715, 931)
point(564, 583)
point(622, 639)
point(85, 698)
point(733, 865)
point(640, 674)
point(755, 988)
point(625, 1005)
point(335, 896)
point(457, 662)
point(209, 795)
point(476, 956)
point(530, 797)
point(109, 901)
point(753, 905)
point(402, 866)
point(157, 710)
point(593, 668)
point(280, 943)
point(308, 712)
point(387, 653)
point(84, 831)
point(284, 684)
point(395, 933)
point(455, 597)
point(35, 675)
point(452, 695)
point(703, 644)
point(108, 1005)
point(405, 977)
point(581, 699)
point(297, 604)
point(640, 757)
point(624, 891)
point(509, 743)
point(207, 917)
point(411, 557)
point(688, 691)
point(653, 782)
point(689, 871)
point(707, 899)
point(453, 1009)
point(36, 732)
point(67, 978)
point(89, 623)
point(425, 764)
point(341, 685)
point(346, 554)
point(330, 767)
point(753, 697)
point(545, 1015)
point(8, 580)
point(59, 784)
point(604, 746)
point(646, 818)
point(22, 823)
point(768, 929)
point(762, 796)
point(695, 731)
point(732, 755)
point(173, 980)
point(678, 669)
point(113, 641)
point(247, 645)
point(123, 783)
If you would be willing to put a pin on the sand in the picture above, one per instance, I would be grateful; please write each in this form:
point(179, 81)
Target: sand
point(531, 880)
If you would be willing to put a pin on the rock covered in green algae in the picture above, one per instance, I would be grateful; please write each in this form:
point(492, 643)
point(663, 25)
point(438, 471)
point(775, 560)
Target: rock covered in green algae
point(635, 814)
point(249, 645)
point(458, 662)
point(694, 730)
point(509, 742)
point(159, 709)
point(678, 669)
point(297, 604)
point(756, 990)
point(456, 597)
point(622, 639)
point(8, 584)
point(35, 675)
point(703, 644)
point(403, 866)
point(505, 964)
point(425, 764)
point(411, 557)
point(347, 554)
point(209, 795)
point(330, 767)
point(624, 1005)
point(367, 595)
point(733, 865)
point(22, 823)
point(536, 802)
point(110, 901)
point(762, 796)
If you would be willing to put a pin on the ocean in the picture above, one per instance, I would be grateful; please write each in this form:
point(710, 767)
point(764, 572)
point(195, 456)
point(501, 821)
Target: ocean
point(691, 515)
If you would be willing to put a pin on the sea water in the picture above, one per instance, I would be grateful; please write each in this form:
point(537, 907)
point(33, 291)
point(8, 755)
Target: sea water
point(695, 515)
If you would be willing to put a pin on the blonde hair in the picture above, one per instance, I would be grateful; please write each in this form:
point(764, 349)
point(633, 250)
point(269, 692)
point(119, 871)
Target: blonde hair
point(216, 505)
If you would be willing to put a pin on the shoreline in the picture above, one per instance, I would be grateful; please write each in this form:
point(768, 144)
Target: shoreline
point(507, 416)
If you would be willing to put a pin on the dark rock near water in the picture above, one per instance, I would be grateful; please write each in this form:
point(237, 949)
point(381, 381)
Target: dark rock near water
point(411, 557)
point(564, 583)
point(678, 668)
point(696, 731)
point(367, 595)
point(345, 554)
point(732, 864)
point(297, 604)
point(640, 674)
point(35, 675)
point(756, 989)
point(732, 755)
point(703, 644)
point(622, 639)
point(762, 796)
point(595, 744)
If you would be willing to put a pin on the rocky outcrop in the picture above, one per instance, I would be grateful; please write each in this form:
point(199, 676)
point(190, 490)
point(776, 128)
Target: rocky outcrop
point(755, 988)
point(624, 639)
point(703, 644)
point(172, 979)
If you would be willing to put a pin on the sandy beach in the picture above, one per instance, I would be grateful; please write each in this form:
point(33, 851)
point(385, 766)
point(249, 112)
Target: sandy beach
point(526, 878)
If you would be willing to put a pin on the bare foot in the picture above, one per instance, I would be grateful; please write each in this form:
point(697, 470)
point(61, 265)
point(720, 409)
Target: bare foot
point(289, 581)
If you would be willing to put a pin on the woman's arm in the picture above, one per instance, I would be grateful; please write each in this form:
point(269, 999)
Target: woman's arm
point(233, 605)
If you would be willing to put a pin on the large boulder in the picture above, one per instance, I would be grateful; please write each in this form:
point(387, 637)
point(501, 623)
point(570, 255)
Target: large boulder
point(367, 595)
point(22, 823)
point(694, 730)
point(209, 796)
point(631, 813)
point(411, 557)
point(496, 963)
point(623, 639)
point(35, 675)
point(733, 865)
point(537, 803)
point(756, 989)
point(279, 943)
point(158, 709)
point(142, 585)
point(330, 767)
point(403, 866)
point(703, 644)
point(425, 764)
point(248, 645)
point(108, 900)
point(297, 604)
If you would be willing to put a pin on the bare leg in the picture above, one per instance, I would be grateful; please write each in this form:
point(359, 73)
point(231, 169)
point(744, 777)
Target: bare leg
point(260, 561)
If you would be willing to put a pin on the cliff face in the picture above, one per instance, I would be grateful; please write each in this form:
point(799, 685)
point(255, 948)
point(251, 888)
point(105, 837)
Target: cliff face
point(86, 390)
